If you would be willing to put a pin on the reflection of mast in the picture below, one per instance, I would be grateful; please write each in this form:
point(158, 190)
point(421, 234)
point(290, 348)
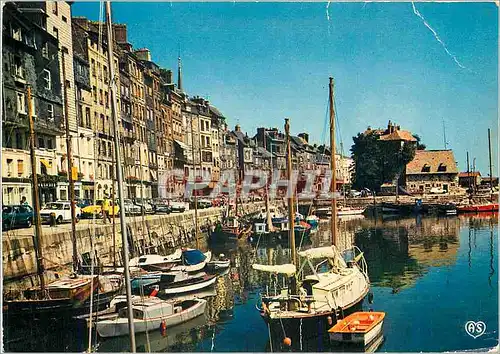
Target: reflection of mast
point(469, 247)
point(492, 269)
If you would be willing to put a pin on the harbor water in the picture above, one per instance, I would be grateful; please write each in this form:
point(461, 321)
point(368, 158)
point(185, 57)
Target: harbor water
point(430, 275)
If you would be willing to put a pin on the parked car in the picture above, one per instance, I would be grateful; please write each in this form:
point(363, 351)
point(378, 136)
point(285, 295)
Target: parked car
point(204, 203)
point(354, 193)
point(16, 215)
point(131, 208)
point(176, 206)
point(437, 190)
point(60, 211)
point(82, 203)
point(96, 209)
point(145, 206)
point(161, 206)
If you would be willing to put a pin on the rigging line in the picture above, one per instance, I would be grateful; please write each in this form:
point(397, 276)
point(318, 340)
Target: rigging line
point(91, 293)
point(338, 128)
point(148, 344)
point(93, 234)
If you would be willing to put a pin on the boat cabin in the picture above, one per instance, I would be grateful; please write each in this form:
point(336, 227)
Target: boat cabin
point(231, 222)
point(260, 227)
point(150, 309)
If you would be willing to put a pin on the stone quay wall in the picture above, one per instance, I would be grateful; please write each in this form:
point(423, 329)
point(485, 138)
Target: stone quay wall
point(150, 234)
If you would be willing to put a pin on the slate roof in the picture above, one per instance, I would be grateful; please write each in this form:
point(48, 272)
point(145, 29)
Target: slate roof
point(432, 162)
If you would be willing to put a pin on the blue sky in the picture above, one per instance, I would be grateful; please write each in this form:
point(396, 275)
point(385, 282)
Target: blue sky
point(262, 62)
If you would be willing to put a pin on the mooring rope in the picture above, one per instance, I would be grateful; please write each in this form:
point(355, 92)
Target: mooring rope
point(300, 334)
point(270, 338)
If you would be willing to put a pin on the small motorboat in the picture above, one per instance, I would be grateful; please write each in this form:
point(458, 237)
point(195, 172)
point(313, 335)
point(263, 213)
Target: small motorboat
point(477, 208)
point(358, 328)
point(345, 211)
point(219, 264)
point(174, 283)
point(192, 260)
point(156, 262)
point(324, 212)
point(150, 314)
point(187, 259)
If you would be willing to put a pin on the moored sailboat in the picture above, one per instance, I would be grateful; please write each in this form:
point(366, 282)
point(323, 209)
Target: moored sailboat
point(313, 302)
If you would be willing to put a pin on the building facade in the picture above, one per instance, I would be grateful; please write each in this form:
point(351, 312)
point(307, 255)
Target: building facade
point(31, 58)
point(432, 169)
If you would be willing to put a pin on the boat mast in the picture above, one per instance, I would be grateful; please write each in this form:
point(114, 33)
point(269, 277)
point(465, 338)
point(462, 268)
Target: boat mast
point(238, 175)
point(291, 209)
point(36, 201)
point(489, 155)
point(268, 213)
point(119, 177)
point(333, 163)
point(194, 191)
point(468, 174)
point(69, 156)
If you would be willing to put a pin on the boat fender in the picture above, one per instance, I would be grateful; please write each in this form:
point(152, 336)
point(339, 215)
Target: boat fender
point(163, 328)
point(330, 320)
point(287, 341)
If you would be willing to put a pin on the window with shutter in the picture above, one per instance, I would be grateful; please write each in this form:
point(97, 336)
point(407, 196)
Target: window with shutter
point(20, 168)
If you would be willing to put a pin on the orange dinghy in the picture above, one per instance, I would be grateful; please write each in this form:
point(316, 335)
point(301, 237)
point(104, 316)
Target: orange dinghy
point(358, 328)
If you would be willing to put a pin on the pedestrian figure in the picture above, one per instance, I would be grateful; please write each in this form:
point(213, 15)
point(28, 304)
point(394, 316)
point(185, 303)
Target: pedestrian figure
point(23, 200)
point(105, 209)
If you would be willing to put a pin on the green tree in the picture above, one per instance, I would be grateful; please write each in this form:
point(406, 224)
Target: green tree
point(377, 162)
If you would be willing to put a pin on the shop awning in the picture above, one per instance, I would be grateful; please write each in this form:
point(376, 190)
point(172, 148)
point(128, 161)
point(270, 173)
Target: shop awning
point(153, 178)
point(182, 145)
point(47, 164)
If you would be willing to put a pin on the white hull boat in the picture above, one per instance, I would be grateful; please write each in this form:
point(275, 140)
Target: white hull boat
point(194, 267)
point(342, 287)
point(193, 284)
point(150, 315)
point(156, 262)
point(347, 211)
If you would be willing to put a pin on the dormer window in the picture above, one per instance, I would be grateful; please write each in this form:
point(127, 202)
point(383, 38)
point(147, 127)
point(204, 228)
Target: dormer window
point(426, 168)
point(442, 167)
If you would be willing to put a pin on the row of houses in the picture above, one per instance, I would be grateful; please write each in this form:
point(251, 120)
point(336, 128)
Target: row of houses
point(63, 59)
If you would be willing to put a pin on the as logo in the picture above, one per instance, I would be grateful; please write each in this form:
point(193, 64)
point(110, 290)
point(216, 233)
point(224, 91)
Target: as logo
point(475, 329)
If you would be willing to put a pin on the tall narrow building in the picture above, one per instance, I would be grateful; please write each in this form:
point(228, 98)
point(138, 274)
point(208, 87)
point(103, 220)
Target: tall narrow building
point(30, 57)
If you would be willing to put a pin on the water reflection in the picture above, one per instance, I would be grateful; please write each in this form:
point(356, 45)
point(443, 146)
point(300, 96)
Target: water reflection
point(451, 255)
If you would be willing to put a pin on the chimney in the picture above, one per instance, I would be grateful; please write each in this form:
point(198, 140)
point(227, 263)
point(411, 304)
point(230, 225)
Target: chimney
point(168, 76)
point(237, 128)
point(120, 33)
point(143, 54)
